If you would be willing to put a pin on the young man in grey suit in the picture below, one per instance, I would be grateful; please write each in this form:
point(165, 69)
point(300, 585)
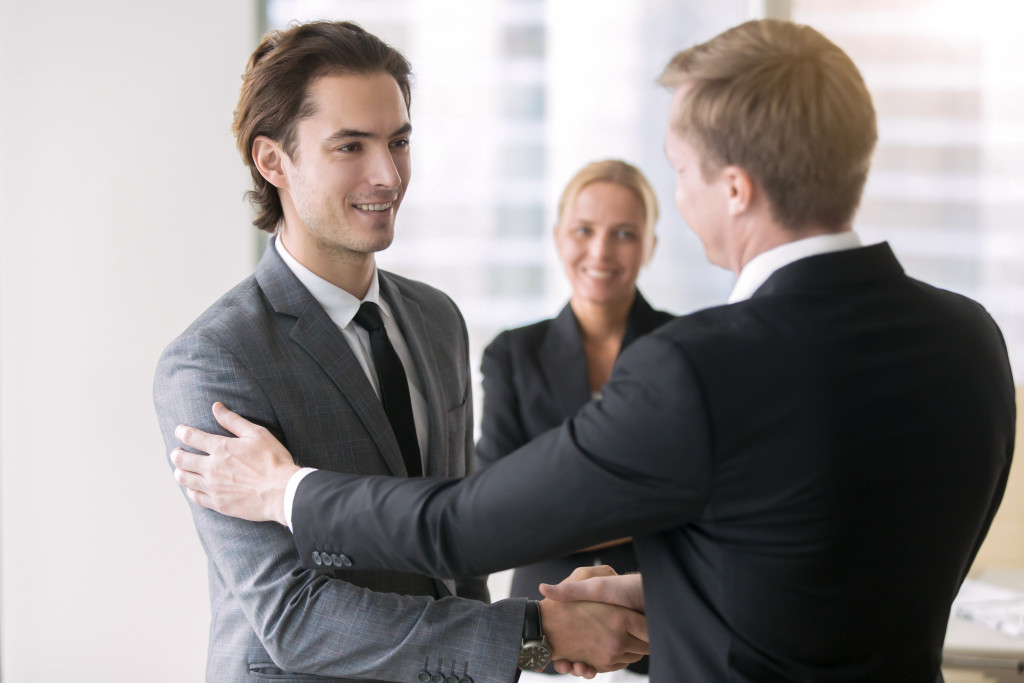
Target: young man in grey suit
point(807, 472)
point(308, 347)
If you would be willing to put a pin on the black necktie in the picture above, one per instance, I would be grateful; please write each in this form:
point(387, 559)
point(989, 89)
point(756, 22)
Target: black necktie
point(394, 387)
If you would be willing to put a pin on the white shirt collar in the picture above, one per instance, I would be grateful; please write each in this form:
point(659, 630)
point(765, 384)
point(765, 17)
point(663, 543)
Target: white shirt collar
point(341, 306)
point(761, 267)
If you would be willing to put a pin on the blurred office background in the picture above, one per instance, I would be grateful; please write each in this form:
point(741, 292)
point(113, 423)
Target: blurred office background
point(122, 219)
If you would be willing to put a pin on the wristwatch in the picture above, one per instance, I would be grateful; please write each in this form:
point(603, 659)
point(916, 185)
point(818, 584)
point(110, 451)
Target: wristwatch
point(534, 654)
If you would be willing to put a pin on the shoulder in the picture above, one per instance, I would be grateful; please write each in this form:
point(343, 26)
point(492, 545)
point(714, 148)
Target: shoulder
point(651, 321)
point(418, 291)
point(526, 336)
point(645, 318)
point(662, 317)
point(431, 300)
point(955, 304)
point(705, 324)
point(238, 318)
point(962, 316)
point(430, 315)
point(526, 340)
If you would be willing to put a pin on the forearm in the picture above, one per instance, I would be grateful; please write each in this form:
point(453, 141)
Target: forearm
point(603, 475)
point(448, 528)
point(333, 628)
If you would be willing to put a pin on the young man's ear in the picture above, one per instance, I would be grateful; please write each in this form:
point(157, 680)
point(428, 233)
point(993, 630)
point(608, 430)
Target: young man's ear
point(269, 159)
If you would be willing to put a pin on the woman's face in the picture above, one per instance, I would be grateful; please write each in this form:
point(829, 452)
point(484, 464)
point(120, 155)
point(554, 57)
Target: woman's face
point(601, 242)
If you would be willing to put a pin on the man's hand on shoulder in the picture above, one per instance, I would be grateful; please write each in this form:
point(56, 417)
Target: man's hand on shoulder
point(241, 477)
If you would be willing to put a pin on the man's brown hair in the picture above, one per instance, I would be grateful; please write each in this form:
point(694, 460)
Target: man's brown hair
point(789, 107)
point(275, 90)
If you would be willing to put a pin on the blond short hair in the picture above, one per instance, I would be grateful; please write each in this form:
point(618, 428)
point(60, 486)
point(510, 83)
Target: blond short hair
point(786, 105)
point(624, 174)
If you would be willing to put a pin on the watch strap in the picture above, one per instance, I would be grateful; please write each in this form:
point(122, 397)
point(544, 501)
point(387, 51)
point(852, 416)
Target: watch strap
point(532, 627)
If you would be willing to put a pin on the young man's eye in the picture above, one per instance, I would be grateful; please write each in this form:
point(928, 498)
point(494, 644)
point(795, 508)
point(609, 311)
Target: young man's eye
point(351, 147)
point(626, 235)
point(402, 143)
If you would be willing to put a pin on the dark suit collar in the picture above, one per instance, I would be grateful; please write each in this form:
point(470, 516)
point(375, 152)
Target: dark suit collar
point(562, 358)
point(851, 267)
point(317, 334)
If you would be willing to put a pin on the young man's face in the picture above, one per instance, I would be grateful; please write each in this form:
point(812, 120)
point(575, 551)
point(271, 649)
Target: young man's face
point(351, 166)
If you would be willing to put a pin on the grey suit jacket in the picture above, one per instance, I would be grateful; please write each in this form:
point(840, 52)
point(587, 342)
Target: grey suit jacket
point(270, 352)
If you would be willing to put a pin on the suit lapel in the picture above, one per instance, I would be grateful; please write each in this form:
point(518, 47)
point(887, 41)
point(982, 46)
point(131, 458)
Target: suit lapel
point(410, 321)
point(564, 364)
point(317, 334)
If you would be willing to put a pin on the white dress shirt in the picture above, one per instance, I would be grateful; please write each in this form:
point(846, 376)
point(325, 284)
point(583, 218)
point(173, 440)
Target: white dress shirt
point(761, 267)
point(342, 307)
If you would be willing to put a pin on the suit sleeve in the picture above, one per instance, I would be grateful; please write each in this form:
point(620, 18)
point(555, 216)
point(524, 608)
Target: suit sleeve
point(501, 424)
point(308, 622)
point(637, 462)
point(1011, 416)
point(472, 587)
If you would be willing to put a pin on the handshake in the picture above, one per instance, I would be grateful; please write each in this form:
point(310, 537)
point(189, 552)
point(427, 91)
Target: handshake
point(594, 621)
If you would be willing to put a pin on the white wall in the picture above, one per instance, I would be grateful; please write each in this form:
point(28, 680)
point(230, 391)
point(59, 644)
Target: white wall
point(122, 218)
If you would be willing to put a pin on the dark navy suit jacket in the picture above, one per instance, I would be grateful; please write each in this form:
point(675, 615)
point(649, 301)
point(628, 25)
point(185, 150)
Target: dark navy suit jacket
point(807, 475)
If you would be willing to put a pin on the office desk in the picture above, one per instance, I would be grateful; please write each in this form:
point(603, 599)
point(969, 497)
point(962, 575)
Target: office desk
point(973, 647)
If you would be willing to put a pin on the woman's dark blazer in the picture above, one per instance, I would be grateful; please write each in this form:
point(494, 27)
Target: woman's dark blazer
point(534, 378)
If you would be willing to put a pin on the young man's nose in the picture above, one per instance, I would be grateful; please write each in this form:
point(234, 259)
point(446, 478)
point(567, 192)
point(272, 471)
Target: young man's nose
point(384, 171)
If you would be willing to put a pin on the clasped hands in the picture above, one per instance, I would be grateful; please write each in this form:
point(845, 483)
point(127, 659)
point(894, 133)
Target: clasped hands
point(600, 622)
point(593, 620)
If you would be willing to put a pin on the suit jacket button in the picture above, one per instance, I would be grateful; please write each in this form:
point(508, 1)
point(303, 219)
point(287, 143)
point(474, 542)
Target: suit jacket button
point(423, 676)
point(345, 560)
point(465, 679)
point(326, 559)
point(437, 678)
point(316, 559)
point(336, 560)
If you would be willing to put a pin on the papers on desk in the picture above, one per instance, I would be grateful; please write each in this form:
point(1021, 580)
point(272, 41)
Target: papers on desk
point(994, 606)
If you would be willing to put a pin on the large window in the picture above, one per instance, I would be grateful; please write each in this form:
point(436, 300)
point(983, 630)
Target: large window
point(947, 182)
point(511, 97)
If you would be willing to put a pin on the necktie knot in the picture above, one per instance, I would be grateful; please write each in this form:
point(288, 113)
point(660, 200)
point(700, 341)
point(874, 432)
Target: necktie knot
point(368, 317)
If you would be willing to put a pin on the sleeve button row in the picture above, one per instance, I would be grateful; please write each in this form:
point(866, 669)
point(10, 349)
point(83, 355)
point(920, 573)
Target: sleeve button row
point(331, 559)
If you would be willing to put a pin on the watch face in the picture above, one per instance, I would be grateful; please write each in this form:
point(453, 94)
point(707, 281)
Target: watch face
point(534, 656)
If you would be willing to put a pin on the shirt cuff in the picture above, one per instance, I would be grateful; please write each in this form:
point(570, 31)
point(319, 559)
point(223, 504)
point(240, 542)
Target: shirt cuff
point(289, 492)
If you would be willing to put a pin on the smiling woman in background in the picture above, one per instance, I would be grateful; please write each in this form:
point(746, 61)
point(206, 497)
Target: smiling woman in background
point(535, 377)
